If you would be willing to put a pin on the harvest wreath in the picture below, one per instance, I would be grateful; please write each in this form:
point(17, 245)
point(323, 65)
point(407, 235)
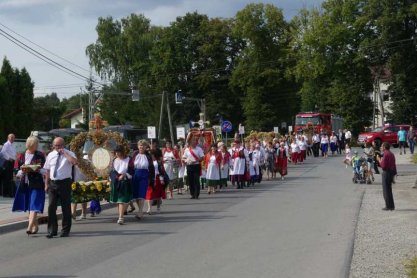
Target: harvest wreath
point(99, 146)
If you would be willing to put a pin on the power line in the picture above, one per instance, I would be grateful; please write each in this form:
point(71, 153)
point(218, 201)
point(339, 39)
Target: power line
point(44, 58)
point(50, 52)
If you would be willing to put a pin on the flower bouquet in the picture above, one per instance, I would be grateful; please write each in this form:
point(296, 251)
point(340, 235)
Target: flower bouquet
point(85, 191)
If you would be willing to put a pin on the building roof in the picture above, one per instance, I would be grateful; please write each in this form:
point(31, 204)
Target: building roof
point(72, 113)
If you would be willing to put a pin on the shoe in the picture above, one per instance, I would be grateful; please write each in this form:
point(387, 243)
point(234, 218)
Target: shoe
point(131, 209)
point(28, 232)
point(192, 197)
point(125, 213)
point(149, 212)
point(64, 235)
point(120, 221)
point(92, 214)
point(138, 217)
point(158, 210)
point(384, 208)
point(50, 235)
point(81, 217)
point(35, 231)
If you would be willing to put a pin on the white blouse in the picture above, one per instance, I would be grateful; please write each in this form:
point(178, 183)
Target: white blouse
point(141, 161)
point(121, 165)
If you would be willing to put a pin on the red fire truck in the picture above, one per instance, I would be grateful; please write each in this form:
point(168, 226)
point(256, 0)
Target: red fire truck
point(318, 121)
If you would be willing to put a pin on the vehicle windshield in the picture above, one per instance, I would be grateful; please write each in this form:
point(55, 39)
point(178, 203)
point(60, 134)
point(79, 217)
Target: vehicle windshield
point(378, 129)
point(304, 120)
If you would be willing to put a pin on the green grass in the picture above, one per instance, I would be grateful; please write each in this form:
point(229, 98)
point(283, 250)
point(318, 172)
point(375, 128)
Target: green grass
point(415, 158)
point(411, 266)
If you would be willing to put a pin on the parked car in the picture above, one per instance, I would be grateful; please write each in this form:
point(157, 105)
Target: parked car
point(130, 133)
point(387, 133)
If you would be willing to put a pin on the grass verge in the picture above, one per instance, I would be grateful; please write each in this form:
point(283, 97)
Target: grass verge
point(411, 267)
point(415, 158)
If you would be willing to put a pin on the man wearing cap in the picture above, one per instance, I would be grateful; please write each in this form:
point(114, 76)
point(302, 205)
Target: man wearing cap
point(58, 179)
point(389, 170)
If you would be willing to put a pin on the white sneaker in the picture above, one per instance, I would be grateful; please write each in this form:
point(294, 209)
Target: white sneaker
point(81, 217)
point(120, 221)
point(158, 210)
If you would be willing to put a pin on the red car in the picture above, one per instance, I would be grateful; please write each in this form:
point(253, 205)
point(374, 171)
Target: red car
point(387, 133)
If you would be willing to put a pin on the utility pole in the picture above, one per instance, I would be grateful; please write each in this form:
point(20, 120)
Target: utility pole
point(161, 114)
point(169, 120)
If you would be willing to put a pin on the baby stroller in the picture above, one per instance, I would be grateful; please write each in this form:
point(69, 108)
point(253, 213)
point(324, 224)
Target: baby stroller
point(360, 171)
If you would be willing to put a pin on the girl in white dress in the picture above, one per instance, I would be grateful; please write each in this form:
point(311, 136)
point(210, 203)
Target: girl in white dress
point(213, 161)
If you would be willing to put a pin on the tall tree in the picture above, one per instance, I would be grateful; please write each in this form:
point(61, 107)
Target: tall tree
point(262, 73)
point(335, 76)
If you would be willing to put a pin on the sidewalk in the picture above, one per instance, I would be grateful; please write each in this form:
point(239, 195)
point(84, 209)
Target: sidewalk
point(385, 240)
point(12, 221)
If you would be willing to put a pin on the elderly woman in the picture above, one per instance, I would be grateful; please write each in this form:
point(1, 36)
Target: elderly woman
point(30, 195)
point(121, 189)
point(144, 175)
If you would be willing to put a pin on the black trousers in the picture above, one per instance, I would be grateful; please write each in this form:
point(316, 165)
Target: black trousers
point(7, 187)
point(193, 173)
point(61, 190)
point(316, 147)
point(387, 189)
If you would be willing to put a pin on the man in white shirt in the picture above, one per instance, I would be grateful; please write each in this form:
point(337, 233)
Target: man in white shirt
point(8, 153)
point(58, 179)
point(348, 136)
point(193, 155)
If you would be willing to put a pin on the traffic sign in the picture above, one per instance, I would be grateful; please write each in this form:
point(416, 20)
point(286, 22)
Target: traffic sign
point(227, 126)
point(241, 129)
point(276, 129)
point(151, 132)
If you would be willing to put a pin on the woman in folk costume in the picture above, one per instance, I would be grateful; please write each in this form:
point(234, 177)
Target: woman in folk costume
point(295, 149)
point(333, 142)
point(282, 155)
point(156, 191)
point(225, 165)
point(171, 160)
point(30, 194)
point(144, 175)
point(231, 163)
point(253, 165)
point(269, 160)
point(324, 144)
point(212, 162)
point(240, 157)
point(121, 186)
point(181, 169)
point(302, 144)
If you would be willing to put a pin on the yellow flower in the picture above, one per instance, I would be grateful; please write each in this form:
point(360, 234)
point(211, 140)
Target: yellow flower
point(83, 187)
point(99, 187)
point(73, 186)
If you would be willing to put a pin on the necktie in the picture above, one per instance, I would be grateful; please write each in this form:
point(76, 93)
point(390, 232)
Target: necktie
point(58, 160)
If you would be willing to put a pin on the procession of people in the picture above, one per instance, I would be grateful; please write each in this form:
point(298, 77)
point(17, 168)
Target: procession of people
point(149, 174)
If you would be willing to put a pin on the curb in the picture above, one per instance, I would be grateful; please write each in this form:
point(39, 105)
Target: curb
point(14, 226)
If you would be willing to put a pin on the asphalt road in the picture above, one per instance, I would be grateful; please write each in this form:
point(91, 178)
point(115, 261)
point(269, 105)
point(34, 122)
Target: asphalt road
point(301, 227)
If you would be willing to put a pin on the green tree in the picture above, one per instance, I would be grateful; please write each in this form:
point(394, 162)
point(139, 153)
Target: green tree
point(335, 76)
point(262, 73)
point(48, 111)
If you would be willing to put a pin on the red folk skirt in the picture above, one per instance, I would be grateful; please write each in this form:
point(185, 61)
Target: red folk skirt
point(283, 166)
point(156, 192)
point(294, 157)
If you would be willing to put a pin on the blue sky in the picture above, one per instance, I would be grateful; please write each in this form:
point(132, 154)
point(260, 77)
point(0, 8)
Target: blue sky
point(66, 27)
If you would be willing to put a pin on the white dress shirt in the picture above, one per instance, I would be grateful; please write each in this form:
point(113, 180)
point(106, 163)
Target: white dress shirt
point(9, 151)
point(64, 168)
point(189, 158)
point(121, 166)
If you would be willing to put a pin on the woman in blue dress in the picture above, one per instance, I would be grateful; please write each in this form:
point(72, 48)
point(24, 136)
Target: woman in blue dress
point(30, 194)
point(144, 175)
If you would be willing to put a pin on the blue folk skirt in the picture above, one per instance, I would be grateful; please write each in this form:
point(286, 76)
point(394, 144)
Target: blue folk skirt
point(29, 199)
point(140, 182)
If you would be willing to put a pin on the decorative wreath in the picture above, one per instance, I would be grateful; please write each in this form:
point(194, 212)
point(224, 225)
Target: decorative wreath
point(99, 138)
